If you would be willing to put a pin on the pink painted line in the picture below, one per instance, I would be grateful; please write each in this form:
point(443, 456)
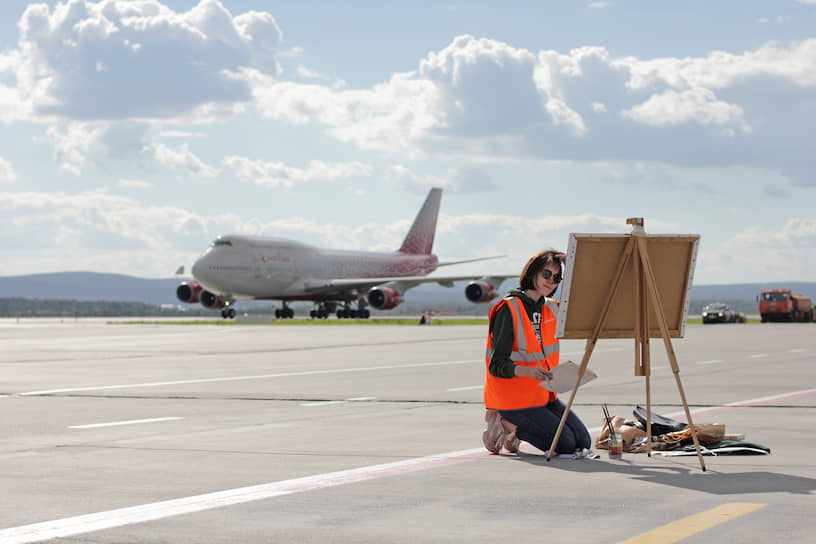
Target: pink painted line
point(747, 403)
point(37, 532)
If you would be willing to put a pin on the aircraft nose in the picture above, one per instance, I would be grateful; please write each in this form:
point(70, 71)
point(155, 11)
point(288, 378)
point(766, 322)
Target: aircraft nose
point(198, 268)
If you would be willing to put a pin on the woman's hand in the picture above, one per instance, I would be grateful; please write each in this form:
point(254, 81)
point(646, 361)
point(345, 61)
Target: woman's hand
point(535, 372)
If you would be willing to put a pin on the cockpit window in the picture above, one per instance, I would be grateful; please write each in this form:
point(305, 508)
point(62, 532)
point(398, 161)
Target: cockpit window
point(220, 242)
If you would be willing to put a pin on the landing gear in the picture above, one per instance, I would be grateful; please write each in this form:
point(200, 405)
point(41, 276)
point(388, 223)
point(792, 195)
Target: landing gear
point(360, 313)
point(319, 312)
point(228, 313)
point(285, 313)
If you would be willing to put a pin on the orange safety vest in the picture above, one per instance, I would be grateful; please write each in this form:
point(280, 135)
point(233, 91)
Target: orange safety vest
point(521, 391)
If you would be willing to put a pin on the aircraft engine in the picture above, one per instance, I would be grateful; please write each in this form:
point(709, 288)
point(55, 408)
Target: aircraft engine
point(188, 291)
point(384, 298)
point(480, 291)
point(212, 301)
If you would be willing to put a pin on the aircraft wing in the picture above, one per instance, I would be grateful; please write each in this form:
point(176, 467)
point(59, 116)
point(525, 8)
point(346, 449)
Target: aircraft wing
point(449, 263)
point(402, 283)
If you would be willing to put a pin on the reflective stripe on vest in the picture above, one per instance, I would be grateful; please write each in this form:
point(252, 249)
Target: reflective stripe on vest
point(522, 392)
point(523, 354)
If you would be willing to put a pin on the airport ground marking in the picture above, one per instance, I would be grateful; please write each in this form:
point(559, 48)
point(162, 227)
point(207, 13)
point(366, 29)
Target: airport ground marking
point(797, 350)
point(128, 422)
point(263, 376)
point(323, 402)
point(87, 523)
point(244, 378)
point(758, 356)
point(467, 388)
point(691, 525)
point(37, 532)
point(710, 362)
point(746, 403)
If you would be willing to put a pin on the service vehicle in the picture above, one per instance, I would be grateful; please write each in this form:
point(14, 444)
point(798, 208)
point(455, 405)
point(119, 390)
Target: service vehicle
point(719, 312)
point(782, 305)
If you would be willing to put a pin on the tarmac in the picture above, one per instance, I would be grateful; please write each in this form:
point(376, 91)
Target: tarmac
point(118, 433)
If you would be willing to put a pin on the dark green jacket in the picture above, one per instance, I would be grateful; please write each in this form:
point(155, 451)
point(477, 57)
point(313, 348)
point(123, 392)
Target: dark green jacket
point(501, 365)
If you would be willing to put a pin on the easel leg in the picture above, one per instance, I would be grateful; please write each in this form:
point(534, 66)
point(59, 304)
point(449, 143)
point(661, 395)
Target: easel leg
point(590, 345)
point(664, 330)
point(643, 331)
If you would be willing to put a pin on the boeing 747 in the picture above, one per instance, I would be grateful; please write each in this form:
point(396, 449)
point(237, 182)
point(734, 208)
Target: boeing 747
point(260, 268)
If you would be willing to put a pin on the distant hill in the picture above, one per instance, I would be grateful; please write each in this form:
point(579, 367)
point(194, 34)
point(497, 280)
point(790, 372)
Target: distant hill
point(92, 286)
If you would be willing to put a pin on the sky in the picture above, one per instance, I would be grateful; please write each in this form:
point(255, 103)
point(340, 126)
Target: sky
point(133, 132)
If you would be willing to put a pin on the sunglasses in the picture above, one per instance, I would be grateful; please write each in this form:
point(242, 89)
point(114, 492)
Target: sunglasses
point(547, 273)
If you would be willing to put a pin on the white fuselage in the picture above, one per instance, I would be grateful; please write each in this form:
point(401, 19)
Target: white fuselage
point(271, 268)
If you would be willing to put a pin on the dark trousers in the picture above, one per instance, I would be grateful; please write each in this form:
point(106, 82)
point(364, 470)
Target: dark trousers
point(538, 425)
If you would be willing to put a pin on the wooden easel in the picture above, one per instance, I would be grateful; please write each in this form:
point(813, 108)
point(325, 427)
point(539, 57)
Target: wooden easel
point(645, 290)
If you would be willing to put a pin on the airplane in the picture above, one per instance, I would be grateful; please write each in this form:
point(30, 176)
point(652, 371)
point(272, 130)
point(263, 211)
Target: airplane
point(262, 268)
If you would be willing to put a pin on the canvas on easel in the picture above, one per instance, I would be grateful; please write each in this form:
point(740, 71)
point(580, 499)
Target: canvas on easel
point(590, 267)
point(632, 285)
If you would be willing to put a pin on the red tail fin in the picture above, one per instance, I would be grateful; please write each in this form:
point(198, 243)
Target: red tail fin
point(419, 239)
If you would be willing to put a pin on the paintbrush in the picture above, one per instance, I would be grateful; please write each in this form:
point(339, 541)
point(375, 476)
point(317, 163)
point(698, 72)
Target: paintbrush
point(608, 419)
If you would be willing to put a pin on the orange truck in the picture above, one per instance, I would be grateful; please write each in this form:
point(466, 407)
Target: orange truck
point(781, 305)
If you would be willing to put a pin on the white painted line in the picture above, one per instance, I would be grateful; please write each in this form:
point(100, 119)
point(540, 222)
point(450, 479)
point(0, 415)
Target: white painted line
point(323, 403)
point(744, 403)
point(243, 378)
point(359, 399)
point(466, 388)
point(710, 362)
point(606, 350)
point(797, 350)
point(37, 532)
point(129, 422)
point(758, 356)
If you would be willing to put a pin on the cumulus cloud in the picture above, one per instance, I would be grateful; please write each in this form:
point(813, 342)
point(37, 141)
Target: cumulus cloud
point(796, 233)
point(786, 253)
point(116, 232)
point(101, 65)
point(693, 105)
point(108, 61)
point(308, 73)
point(184, 159)
point(118, 59)
point(488, 98)
point(7, 172)
point(391, 116)
point(72, 145)
point(278, 174)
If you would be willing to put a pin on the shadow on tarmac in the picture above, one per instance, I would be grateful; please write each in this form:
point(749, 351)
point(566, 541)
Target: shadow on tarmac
point(690, 477)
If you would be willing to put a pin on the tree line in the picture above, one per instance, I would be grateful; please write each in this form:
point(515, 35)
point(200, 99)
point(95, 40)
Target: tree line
point(30, 307)
point(33, 307)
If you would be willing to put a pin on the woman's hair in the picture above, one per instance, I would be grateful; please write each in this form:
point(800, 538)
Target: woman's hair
point(535, 265)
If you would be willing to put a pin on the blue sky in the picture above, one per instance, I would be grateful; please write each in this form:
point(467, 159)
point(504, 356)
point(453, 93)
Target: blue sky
point(134, 132)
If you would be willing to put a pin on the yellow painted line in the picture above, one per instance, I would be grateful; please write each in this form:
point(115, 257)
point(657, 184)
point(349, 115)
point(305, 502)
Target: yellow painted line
point(683, 528)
